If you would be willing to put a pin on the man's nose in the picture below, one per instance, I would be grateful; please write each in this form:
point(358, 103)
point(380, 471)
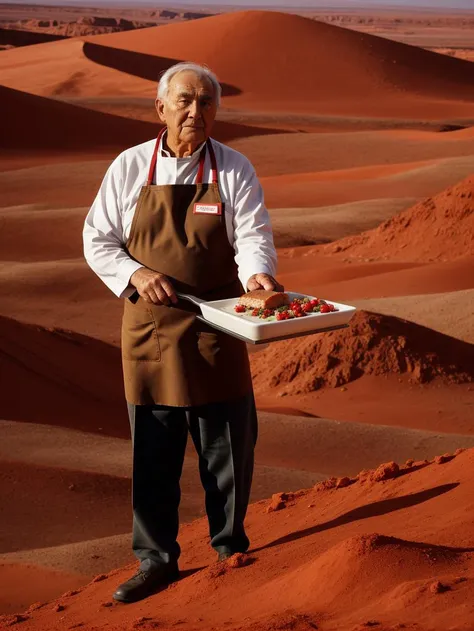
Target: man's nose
point(195, 109)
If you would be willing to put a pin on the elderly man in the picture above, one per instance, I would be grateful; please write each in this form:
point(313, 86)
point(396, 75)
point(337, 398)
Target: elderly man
point(182, 213)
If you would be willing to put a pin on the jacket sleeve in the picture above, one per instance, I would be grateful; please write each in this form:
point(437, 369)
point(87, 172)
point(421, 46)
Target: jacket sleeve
point(103, 239)
point(253, 237)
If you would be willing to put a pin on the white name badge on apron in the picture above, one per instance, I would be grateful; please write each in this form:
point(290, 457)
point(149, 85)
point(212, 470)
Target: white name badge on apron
point(207, 209)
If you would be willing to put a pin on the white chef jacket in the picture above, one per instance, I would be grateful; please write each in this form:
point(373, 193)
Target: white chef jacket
point(107, 225)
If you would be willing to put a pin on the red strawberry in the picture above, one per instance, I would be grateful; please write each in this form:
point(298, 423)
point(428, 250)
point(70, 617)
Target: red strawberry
point(308, 307)
point(325, 309)
point(239, 308)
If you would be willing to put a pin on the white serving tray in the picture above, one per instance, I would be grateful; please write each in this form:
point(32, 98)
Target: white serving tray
point(220, 314)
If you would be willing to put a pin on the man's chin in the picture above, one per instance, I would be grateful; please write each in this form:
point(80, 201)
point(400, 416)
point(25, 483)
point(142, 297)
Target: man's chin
point(195, 132)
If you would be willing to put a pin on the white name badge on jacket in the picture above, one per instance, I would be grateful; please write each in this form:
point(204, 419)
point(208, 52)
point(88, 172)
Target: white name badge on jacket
point(207, 209)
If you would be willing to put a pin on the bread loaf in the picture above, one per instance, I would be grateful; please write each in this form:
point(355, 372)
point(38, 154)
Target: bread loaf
point(263, 299)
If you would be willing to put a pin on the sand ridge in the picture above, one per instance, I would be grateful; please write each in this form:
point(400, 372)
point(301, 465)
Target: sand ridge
point(383, 70)
point(405, 80)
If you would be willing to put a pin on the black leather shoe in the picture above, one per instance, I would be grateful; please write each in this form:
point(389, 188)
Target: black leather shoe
point(222, 556)
point(144, 583)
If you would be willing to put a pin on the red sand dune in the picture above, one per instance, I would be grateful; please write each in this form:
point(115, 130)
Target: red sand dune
point(286, 62)
point(344, 281)
point(298, 153)
point(439, 228)
point(349, 554)
point(372, 345)
point(61, 366)
point(35, 122)
point(320, 188)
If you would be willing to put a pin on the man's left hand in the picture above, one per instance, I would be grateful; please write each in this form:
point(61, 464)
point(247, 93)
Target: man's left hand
point(263, 281)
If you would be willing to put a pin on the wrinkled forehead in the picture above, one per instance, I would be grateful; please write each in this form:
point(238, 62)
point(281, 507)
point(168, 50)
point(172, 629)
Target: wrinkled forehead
point(191, 83)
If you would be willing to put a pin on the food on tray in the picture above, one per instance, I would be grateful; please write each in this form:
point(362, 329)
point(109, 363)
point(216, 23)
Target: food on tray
point(296, 308)
point(263, 299)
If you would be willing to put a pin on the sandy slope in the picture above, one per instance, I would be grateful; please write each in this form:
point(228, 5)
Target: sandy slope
point(84, 478)
point(346, 150)
point(42, 584)
point(377, 182)
point(326, 278)
point(404, 80)
point(314, 561)
point(449, 313)
point(440, 228)
point(306, 226)
point(35, 122)
point(294, 43)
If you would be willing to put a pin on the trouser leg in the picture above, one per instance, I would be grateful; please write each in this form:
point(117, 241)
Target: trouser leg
point(225, 435)
point(159, 435)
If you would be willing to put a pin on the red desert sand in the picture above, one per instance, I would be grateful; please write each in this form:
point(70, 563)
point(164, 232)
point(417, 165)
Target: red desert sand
point(357, 74)
point(391, 548)
point(436, 229)
point(373, 345)
point(348, 554)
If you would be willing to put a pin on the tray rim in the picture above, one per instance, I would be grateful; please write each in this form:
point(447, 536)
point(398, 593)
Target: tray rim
point(213, 305)
point(268, 340)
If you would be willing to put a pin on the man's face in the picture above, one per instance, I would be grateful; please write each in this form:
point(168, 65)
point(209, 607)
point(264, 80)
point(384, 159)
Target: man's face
point(189, 109)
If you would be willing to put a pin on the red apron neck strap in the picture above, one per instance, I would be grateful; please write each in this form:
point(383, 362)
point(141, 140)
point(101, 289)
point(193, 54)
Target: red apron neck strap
point(151, 172)
point(202, 159)
point(213, 161)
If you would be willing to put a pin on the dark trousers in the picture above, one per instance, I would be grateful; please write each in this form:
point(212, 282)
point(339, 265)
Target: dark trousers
point(224, 435)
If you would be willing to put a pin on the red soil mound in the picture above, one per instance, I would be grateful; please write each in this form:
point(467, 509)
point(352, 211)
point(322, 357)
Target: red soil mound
point(389, 552)
point(439, 228)
point(320, 63)
point(50, 374)
point(373, 345)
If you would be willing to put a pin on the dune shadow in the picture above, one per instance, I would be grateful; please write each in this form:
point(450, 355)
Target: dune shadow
point(73, 380)
point(363, 512)
point(138, 64)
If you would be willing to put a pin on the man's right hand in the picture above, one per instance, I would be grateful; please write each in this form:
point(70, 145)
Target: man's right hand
point(153, 286)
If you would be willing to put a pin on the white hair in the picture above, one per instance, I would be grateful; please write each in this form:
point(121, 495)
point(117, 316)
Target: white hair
point(201, 71)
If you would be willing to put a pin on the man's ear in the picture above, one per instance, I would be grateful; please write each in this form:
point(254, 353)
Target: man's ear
point(159, 106)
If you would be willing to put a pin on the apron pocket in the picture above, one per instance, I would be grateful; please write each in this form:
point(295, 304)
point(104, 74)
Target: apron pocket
point(139, 335)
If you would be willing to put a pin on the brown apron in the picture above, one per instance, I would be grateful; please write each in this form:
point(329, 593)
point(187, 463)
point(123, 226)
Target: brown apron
point(169, 357)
